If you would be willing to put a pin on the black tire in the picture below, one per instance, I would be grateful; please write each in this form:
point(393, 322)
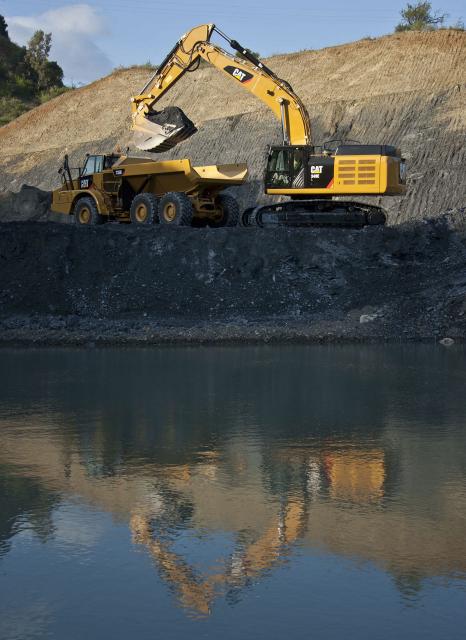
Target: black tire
point(86, 213)
point(144, 209)
point(376, 217)
point(176, 209)
point(230, 210)
point(245, 217)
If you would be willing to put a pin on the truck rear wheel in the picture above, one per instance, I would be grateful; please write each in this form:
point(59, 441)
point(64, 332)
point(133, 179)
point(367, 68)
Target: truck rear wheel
point(144, 209)
point(176, 208)
point(86, 213)
point(230, 212)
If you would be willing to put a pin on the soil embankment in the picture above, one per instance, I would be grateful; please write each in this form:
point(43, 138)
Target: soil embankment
point(117, 284)
point(406, 89)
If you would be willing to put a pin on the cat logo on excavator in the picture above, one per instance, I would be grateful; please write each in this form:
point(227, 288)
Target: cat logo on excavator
point(240, 74)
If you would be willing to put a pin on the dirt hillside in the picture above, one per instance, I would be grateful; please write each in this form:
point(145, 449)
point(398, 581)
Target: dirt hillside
point(406, 89)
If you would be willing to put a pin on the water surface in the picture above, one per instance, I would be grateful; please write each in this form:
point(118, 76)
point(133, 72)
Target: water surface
point(233, 493)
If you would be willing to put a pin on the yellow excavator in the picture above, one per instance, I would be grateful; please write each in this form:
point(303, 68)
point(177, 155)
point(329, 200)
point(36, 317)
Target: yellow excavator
point(311, 175)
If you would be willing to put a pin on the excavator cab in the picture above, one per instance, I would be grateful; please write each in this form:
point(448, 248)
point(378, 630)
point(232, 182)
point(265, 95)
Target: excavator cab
point(365, 169)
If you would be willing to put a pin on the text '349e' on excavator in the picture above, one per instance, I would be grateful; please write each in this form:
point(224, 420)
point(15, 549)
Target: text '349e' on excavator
point(312, 176)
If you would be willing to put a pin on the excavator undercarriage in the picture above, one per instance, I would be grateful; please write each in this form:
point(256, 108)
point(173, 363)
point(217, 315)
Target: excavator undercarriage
point(314, 213)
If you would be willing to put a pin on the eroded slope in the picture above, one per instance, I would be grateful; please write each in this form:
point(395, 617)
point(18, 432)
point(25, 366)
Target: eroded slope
point(406, 89)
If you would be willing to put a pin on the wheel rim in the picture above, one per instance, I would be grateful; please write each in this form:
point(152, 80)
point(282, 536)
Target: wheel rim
point(85, 215)
point(141, 212)
point(169, 212)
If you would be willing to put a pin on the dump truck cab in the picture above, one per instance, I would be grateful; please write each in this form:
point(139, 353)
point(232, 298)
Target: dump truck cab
point(130, 189)
point(98, 163)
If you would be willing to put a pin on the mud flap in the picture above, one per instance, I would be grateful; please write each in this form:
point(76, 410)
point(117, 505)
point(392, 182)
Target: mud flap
point(161, 130)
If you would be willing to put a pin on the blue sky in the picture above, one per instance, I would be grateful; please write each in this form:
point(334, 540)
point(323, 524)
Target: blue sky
point(91, 38)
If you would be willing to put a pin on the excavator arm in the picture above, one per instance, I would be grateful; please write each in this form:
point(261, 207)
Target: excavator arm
point(159, 131)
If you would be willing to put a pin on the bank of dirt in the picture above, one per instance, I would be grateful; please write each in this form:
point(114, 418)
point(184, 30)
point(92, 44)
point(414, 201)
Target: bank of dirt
point(124, 285)
point(405, 89)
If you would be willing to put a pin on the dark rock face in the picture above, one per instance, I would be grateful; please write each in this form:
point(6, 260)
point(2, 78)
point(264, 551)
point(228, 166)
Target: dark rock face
point(120, 283)
point(29, 203)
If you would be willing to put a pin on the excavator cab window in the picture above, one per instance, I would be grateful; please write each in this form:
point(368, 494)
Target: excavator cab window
point(286, 167)
point(298, 167)
point(278, 168)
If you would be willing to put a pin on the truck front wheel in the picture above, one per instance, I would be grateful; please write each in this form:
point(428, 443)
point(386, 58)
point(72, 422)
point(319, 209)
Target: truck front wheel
point(175, 208)
point(86, 212)
point(144, 209)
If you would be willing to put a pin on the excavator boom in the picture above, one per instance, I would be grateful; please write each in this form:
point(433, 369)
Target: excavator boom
point(160, 131)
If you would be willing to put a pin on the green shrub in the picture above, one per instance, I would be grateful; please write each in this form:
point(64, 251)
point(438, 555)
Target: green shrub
point(54, 92)
point(419, 17)
point(11, 108)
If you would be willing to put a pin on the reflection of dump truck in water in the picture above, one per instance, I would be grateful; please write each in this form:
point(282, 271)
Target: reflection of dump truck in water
point(141, 191)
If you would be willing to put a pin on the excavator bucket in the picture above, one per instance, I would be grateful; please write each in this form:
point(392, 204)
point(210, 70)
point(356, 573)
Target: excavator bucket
point(161, 130)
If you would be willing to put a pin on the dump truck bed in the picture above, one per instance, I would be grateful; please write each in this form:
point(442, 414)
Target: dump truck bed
point(230, 174)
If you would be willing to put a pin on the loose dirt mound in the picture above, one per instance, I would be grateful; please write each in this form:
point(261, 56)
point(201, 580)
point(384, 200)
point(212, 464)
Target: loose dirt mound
point(124, 283)
point(27, 204)
point(406, 89)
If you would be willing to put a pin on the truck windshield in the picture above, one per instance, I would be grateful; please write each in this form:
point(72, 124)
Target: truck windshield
point(93, 164)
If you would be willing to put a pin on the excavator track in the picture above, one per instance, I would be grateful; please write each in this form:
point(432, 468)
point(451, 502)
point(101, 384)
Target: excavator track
point(314, 213)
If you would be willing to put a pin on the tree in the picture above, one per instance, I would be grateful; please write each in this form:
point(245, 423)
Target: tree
point(52, 75)
point(38, 49)
point(419, 17)
point(3, 28)
point(27, 76)
point(49, 74)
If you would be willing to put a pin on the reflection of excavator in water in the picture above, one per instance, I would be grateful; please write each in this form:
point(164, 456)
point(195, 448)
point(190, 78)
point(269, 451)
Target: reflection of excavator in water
point(298, 476)
point(246, 564)
point(310, 175)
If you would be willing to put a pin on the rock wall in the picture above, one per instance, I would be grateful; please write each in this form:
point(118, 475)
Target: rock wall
point(156, 283)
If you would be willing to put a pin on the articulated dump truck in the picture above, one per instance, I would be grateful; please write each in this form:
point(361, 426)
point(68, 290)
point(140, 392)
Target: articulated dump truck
point(142, 191)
